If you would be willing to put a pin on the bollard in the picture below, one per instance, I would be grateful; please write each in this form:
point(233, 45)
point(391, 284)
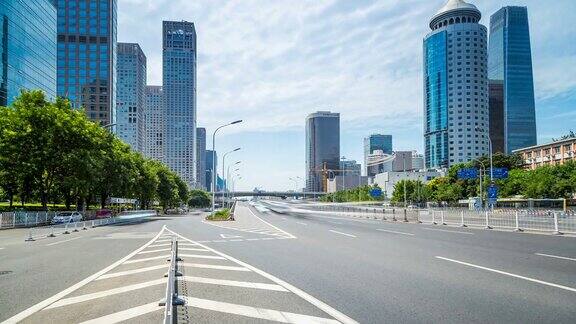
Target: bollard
point(383, 214)
point(394, 215)
point(84, 226)
point(51, 232)
point(418, 220)
point(442, 217)
point(487, 225)
point(517, 229)
point(30, 238)
point(434, 218)
point(462, 219)
point(93, 224)
point(66, 229)
point(556, 229)
point(36, 218)
point(75, 227)
point(405, 216)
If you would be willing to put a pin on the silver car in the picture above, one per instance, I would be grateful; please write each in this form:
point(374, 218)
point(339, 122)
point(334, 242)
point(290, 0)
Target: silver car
point(66, 217)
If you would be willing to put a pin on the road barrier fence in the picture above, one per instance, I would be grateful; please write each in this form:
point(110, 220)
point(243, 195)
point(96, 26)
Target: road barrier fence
point(171, 298)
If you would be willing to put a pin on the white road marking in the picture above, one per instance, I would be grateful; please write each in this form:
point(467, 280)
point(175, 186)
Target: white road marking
point(153, 251)
point(556, 256)
point(236, 240)
point(191, 249)
point(253, 239)
point(212, 266)
point(125, 314)
point(68, 240)
point(394, 232)
point(302, 223)
point(104, 293)
point(160, 245)
point(280, 230)
point(41, 305)
point(249, 311)
point(268, 238)
point(200, 256)
point(226, 236)
point(300, 293)
point(187, 244)
point(164, 241)
point(129, 272)
point(447, 231)
point(350, 235)
point(218, 241)
point(509, 274)
point(234, 283)
point(1, 248)
point(147, 259)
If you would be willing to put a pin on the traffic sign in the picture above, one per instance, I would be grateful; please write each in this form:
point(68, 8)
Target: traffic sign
point(499, 173)
point(376, 192)
point(469, 173)
point(492, 194)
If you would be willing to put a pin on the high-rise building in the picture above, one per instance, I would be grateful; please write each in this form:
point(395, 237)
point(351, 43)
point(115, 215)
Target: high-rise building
point(512, 107)
point(456, 126)
point(376, 142)
point(201, 158)
point(87, 56)
point(179, 86)
point(322, 148)
point(130, 96)
point(154, 123)
point(28, 48)
point(350, 167)
point(211, 156)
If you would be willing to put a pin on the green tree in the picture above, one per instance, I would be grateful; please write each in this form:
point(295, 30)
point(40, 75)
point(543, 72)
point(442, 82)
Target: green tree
point(199, 199)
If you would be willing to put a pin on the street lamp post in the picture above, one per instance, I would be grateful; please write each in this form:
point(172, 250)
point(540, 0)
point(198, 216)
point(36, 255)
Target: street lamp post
point(228, 177)
point(223, 165)
point(214, 161)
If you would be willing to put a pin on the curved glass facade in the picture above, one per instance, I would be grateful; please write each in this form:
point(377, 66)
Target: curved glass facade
point(28, 48)
point(436, 100)
point(322, 147)
point(510, 68)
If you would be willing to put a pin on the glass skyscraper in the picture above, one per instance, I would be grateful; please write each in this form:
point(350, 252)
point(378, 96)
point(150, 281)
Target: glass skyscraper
point(179, 86)
point(154, 120)
point(201, 158)
point(512, 107)
point(376, 142)
point(211, 156)
point(455, 86)
point(130, 97)
point(27, 48)
point(87, 56)
point(322, 148)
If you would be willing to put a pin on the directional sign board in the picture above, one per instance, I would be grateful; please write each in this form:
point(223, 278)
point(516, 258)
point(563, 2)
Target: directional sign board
point(492, 194)
point(376, 192)
point(500, 173)
point(466, 174)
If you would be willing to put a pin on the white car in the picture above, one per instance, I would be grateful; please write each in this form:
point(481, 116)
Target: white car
point(66, 217)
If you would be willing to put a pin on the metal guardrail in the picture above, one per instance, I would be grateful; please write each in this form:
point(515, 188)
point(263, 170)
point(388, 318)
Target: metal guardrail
point(555, 222)
point(171, 298)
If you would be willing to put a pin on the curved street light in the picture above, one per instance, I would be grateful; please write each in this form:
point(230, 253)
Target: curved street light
point(214, 160)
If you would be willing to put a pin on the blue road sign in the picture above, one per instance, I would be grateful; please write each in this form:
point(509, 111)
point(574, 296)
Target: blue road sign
point(465, 174)
point(492, 194)
point(376, 192)
point(500, 173)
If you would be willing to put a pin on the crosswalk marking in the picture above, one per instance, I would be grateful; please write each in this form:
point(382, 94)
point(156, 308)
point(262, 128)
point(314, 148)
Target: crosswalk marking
point(191, 249)
point(125, 314)
point(147, 259)
point(153, 251)
point(159, 245)
point(129, 272)
point(234, 283)
point(100, 294)
point(201, 256)
point(212, 266)
point(254, 312)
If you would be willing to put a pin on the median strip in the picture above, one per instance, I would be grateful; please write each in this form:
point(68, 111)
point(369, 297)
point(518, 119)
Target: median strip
point(234, 283)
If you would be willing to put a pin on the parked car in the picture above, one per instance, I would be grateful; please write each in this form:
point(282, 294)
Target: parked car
point(66, 217)
point(103, 213)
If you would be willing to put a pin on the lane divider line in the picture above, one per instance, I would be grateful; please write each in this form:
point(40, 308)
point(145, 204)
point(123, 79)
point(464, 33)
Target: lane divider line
point(280, 230)
point(349, 235)
point(555, 256)
point(447, 231)
point(394, 232)
point(234, 283)
point(105, 293)
point(129, 272)
point(253, 312)
point(68, 240)
point(125, 314)
point(509, 274)
point(43, 304)
point(212, 266)
point(344, 319)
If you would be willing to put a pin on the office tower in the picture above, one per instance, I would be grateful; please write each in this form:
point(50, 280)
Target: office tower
point(87, 57)
point(512, 107)
point(28, 48)
point(201, 158)
point(211, 156)
point(154, 123)
point(322, 148)
point(350, 167)
point(179, 86)
point(130, 96)
point(376, 142)
point(456, 126)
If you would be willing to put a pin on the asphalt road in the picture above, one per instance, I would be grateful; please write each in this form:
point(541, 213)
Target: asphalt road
point(292, 265)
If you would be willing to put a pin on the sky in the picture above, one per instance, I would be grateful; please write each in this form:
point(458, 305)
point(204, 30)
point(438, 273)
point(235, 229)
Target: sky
point(272, 62)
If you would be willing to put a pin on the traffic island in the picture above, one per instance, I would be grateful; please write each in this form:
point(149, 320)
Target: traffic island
point(221, 215)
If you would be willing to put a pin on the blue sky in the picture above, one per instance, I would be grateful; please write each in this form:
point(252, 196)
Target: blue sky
point(273, 62)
